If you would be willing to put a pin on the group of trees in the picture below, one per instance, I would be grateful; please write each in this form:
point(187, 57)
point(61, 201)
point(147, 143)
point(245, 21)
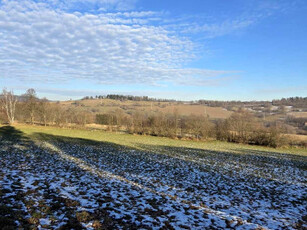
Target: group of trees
point(298, 122)
point(171, 125)
point(28, 108)
point(167, 125)
point(297, 102)
point(242, 126)
point(126, 98)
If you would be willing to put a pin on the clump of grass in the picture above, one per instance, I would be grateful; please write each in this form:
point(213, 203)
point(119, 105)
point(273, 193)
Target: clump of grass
point(97, 225)
point(83, 216)
point(71, 203)
point(34, 219)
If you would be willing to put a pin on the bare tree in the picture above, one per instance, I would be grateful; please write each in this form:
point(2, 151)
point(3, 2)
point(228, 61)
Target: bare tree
point(44, 111)
point(8, 103)
point(242, 123)
point(198, 126)
point(31, 104)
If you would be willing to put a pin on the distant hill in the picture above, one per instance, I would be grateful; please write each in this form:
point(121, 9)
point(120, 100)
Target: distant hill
point(128, 106)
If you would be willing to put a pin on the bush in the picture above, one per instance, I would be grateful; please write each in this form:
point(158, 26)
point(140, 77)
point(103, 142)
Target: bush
point(242, 127)
point(106, 119)
point(269, 137)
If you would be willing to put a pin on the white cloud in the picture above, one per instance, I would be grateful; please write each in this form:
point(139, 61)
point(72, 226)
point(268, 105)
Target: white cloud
point(220, 29)
point(209, 26)
point(40, 43)
point(102, 5)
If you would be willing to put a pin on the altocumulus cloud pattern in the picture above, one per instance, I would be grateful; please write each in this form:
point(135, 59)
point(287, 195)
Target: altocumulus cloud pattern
point(57, 41)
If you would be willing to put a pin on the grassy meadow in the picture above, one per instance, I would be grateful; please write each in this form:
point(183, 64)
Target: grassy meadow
point(138, 141)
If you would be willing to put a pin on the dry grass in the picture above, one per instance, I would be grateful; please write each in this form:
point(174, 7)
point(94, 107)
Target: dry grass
point(298, 114)
point(297, 137)
point(108, 105)
point(213, 112)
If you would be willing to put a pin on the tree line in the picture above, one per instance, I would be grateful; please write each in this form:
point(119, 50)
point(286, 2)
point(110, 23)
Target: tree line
point(241, 127)
point(296, 102)
point(28, 108)
point(126, 98)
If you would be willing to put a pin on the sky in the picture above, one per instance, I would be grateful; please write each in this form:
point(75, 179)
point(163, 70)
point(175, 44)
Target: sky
point(184, 50)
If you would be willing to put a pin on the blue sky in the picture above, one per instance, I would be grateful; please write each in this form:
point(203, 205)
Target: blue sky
point(187, 50)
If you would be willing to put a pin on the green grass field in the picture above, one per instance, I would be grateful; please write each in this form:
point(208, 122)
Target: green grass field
point(139, 142)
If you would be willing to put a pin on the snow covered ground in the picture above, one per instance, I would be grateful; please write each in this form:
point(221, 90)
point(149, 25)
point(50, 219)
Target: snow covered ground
point(74, 184)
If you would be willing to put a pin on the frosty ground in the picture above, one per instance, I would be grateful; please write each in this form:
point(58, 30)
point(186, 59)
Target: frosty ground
point(50, 181)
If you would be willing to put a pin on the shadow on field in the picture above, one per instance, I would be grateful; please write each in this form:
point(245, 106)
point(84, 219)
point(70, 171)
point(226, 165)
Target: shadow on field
point(281, 159)
point(157, 161)
point(240, 176)
point(10, 213)
point(255, 158)
point(13, 143)
point(9, 133)
point(252, 157)
point(160, 153)
point(119, 159)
